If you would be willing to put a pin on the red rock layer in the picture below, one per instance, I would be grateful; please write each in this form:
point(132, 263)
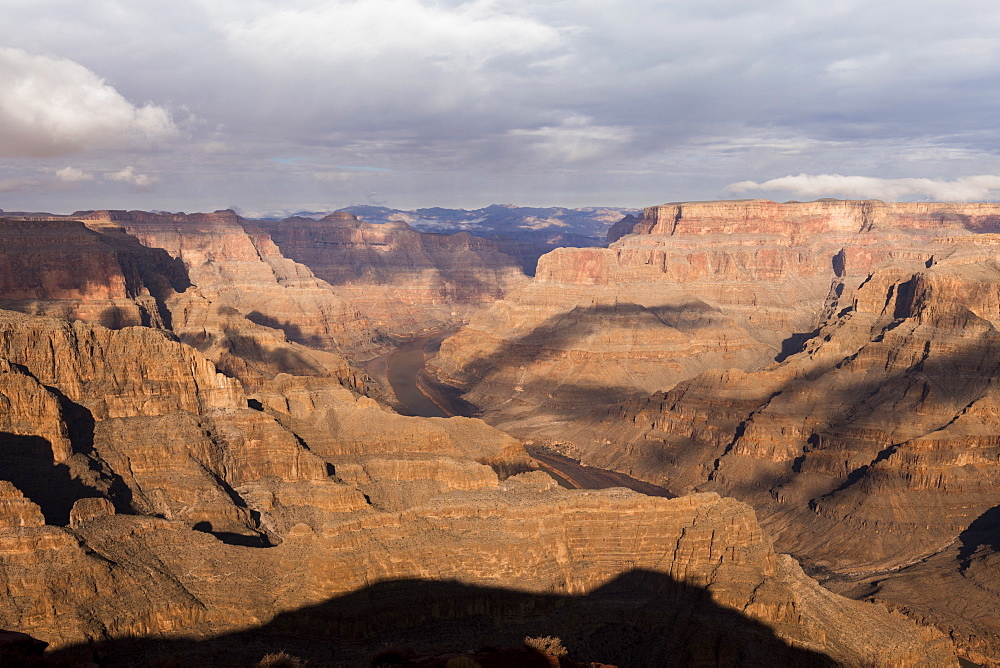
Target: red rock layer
point(238, 266)
point(870, 446)
point(61, 268)
point(405, 281)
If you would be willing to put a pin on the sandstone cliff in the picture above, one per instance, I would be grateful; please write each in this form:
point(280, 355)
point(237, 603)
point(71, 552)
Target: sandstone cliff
point(133, 465)
point(61, 268)
point(864, 431)
point(152, 479)
point(238, 266)
point(539, 541)
point(405, 281)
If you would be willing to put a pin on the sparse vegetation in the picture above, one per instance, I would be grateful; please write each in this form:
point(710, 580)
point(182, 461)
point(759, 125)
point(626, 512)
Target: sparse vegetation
point(280, 660)
point(547, 645)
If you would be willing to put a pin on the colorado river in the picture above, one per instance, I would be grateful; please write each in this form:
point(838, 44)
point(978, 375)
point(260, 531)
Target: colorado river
point(403, 371)
point(418, 395)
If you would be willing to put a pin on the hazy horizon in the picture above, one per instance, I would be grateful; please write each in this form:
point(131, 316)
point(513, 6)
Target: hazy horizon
point(310, 105)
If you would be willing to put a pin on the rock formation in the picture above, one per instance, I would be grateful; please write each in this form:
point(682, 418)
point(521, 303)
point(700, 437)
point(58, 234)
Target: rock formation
point(238, 266)
point(405, 281)
point(222, 470)
point(863, 431)
point(544, 542)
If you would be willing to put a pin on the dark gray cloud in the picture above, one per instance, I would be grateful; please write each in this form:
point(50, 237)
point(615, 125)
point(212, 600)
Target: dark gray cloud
point(454, 103)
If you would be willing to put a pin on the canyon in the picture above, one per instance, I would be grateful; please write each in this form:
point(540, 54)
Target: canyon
point(204, 457)
point(830, 363)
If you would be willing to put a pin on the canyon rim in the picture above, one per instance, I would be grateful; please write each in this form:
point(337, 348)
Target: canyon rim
point(205, 456)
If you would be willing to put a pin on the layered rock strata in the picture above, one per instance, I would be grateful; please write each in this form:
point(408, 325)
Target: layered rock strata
point(61, 268)
point(698, 286)
point(866, 442)
point(539, 542)
point(154, 474)
point(237, 266)
point(406, 282)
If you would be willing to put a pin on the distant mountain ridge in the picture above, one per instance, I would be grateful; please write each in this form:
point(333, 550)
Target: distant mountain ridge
point(548, 227)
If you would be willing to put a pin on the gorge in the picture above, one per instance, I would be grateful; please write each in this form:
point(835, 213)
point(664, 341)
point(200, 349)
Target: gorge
point(214, 442)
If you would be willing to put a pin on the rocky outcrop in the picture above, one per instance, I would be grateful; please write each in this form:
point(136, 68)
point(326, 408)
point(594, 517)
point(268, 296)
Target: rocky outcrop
point(150, 424)
point(721, 581)
point(866, 442)
point(147, 493)
point(190, 457)
point(60, 268)
point(811, 218)
point(405, 281)
point(140, 418)
point(877, 438)
point(118, 282)
point(698, 286)
point(237, 266)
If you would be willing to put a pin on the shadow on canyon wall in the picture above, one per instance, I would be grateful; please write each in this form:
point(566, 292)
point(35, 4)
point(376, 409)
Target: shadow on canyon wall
point(58, 277)
point(640, 618)
point(462, 264)
point(561, 331)
point(27, 462)
point(983, 533)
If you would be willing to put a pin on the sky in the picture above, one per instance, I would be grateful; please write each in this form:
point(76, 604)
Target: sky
point(269, 107)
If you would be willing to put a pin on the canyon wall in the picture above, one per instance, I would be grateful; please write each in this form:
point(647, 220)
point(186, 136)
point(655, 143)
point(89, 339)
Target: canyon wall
point(145, 493)
point(404, 281)
point(863, 431)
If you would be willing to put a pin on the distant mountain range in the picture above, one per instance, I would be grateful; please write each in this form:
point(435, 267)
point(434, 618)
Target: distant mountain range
point(549, 227)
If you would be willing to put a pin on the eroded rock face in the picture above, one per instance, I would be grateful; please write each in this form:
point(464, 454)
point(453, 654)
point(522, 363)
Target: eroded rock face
point(138, 417)
point(541, 545)
point(698, 286)
point(866, 442)
point(60, 268)
point(878, 438)
point(405, 281)
point(191, 455)
point(153, 472)
point(237, 265)
point(151, 424)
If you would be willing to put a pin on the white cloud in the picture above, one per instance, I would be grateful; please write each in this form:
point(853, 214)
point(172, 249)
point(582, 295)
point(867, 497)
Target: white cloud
point(132, 177)
point(968, 188)
point(363, 29)
point(466, 99)
point(576, 139)
point(73, 175)
point(338, 66)
point(53, 106)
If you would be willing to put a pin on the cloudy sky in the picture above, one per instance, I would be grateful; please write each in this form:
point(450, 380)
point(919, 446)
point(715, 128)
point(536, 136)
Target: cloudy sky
point(317, 104)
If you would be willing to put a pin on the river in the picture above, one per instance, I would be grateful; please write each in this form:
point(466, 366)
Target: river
point(417, 394)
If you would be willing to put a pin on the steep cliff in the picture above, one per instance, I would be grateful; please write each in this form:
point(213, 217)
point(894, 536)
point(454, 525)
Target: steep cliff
point(720, 596)
point(865, 438)
point(295, 503)
point(61, 268)
point(698, 286)
point(403, 280)
point(238, 266)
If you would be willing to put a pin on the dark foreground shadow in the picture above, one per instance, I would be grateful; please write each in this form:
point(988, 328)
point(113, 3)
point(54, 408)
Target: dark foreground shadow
point(641, 618)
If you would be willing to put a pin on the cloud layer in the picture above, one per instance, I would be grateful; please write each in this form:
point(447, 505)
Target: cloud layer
point(970, 188)
point(53, 106)
point(321, 103)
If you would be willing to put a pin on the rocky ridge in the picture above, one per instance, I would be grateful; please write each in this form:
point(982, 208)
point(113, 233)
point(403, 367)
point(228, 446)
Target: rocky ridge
point(148, 494)
point(864, 438)
point(404, 281)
